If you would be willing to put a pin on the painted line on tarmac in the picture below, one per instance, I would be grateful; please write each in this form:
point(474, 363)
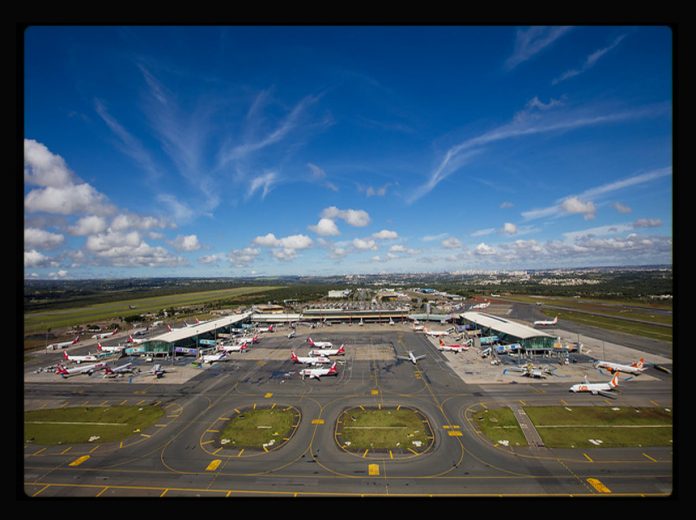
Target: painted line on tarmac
point(649, 457)
point(597, 484)
point(79, 460)
point(588, 457)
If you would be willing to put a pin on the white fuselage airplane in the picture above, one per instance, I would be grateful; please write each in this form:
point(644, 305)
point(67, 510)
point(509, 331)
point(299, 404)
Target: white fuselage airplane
point(113, 348)
point(340, 351)
point(131, 339)
point(634, 368)
point(214, 358)
point(317, 373)
point(480, 305)
point(455, 347)
point(84, 369)
point(418, 328)
point(435, 333)
point(79, 359)
point(265, 329)
point(105, 335)
point(64, 344)
point(597, 388)
point(241, 347)
point(546, 323)
point(111, 372)
point(319, 344)
point(311, 360)
point(411, 357)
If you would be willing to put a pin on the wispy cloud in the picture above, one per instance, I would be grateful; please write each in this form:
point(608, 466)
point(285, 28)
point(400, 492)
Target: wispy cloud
point(264, 183)
point(432, 238)
point(319, 175)
point(529, 42)
point(590, 61)
point(531, 121)
point(583, 202)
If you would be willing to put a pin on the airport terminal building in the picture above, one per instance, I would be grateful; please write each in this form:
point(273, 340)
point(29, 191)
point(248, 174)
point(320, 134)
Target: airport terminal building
point(532, 340)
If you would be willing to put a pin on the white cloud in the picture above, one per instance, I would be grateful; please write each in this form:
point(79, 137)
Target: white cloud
point(506, 205)
point(211, 259)
point(284, 248)
point(452, 243)
point(647, 223)
point(178, 210)
point(364, 244)
point(372, 191)
point(268, 240)
point(354, 217)
point(243, 257)
point(432, 238)
point(397, 248)
point(531, 41)
point(621, 208)
point(325, 227)
point(483, 232)
point(484, 249)
point(58, 275)
point(611, 229)
point(319, 175)
point(186, 243)
point(128, 220)
point(34, 259)
point(38, 238)
point(90, 225)
point(575, 205)
point(43, 168)
point(386, 234)
point(262, 182)
point(590, 61)
point(284, 254)
point(509, 228)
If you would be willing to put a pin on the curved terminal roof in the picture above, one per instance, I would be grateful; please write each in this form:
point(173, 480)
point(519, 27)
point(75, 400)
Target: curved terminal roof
point(195, 330)
point(511, 328)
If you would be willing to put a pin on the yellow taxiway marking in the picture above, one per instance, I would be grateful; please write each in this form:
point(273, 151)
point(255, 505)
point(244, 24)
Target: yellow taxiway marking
point(39, 451)
point(454, 433)
point(412, 451)
point(139, 402)
point(522, 402)
point(373, 470)
point(223, 418)
point(240, 452)
point(85, 403)
point(121, 445)
point(379, 406)
point(79, 460)
point(101, 492)
point(317, 421)
point(213, 465)
point(156, 403)
point(365, 454)
point(254, 406)
point(228, 493)
point(597, 484)
point(649, 457)
point(654, 403)
point(160, 425)
point(391, 455)
point(41, 490)
point(563, 402)
point(452, 427)
point(103, 403)
point(145, 435)
point(164, 492)
point(66, 450)
point(217, 451)
point(172, 416)
point(236, 410)
point(374, 392)
point(274, 405)
point(95, 448)
point(207, 442)
point(588, 457)
point(139, 392)
point(362, 408)
point(268, 395)
point(484, 405)
point(265, 449)
point(213, 431)
point(398, 408)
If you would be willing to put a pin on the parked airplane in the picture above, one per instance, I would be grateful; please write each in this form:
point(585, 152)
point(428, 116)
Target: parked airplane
point(417, 328)
point(311, 360)
point(292, 334)
point(319, 344)
point(105, 335)
point(455, 347)
point(79, 359)
point(636, 368)
point(265, 329)
point(158, 371)
point(480, 305)
point(435, 333)
point(113, 372)
point(411, 357)
point(242, 347)
point(84, 369)
point(213, 358)
point(546, 323)
point(56, 346)
point(530, 370)
point(391, 321)
point(317, 373)
point(597, 388)
point(112, 349)
point(340, 351)
point(131, 339)
point(197, 322)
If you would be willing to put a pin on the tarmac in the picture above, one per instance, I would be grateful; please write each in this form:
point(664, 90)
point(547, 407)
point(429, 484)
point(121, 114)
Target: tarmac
point(182, 456)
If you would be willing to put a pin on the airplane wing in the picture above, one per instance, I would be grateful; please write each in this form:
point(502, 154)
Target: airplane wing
point(405, 358)
point(420, 357)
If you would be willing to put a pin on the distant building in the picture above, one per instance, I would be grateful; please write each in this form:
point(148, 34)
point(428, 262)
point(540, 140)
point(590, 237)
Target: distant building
point(340, 294)
point(270, 309)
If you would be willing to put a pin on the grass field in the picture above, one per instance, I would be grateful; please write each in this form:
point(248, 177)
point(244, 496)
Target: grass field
point(387, 428)
point(256, 428)
point(499, 424)
point(42, 320)
point(563, 427)
point(78, 425)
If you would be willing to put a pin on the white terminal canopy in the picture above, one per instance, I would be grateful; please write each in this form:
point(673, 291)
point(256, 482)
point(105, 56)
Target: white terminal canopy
point(508, 327)
point(195, 330)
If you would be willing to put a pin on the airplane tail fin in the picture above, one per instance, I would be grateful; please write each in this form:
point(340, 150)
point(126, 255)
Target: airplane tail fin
point(332, 370)
point(341, 350)
point(442, 343)
point(614, 380)
point(309, 340)
point(169, 328)
point(77, 339)
point(130, 339)
point(640, 363)
point(243, 347)
point(99, 347)
point(62, 371)
point(65, 355)
point(270, 328)
point(293, 356)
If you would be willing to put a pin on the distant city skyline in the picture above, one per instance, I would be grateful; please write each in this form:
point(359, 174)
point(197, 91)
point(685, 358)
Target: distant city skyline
point(246, 151)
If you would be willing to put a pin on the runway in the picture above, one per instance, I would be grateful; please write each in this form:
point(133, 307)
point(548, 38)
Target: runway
point(182, 454)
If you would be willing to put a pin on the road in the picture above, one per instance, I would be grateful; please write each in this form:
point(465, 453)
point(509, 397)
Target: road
point(173, 457)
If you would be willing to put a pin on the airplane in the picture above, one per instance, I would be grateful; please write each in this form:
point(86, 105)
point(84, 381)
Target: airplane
point(79, 359)
point(131, 339)
point(312, 360)
point(319, 344)
point(597, 388)
point(417, 328)
point(198, 322)
point(105, 335)
point(253, 340)
point(170, 329)
point(317, 373)
point(435, 333)
point(76, 371)
point(411, 357)
point(546, 323)
point(530, 370)
point(265, 329)
point(391, 321)
point(214, 358)
point(112, 349)
point(292, 334)
point(158, 371)
point(480, 305)
point(455, 347)
point(113, 372)
point(361, 322)
point(242, 347)
point(635, 368)
point(55, 346)
point(340, 351)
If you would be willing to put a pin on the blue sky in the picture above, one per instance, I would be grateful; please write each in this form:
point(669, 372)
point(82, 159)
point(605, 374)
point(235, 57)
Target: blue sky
point(236, 151)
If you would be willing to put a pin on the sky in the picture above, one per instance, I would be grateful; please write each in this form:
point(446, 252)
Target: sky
point(263, 151)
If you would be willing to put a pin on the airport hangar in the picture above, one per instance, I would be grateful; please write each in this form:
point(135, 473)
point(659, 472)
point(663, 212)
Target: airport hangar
point(180, 340)
point(533, 341)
